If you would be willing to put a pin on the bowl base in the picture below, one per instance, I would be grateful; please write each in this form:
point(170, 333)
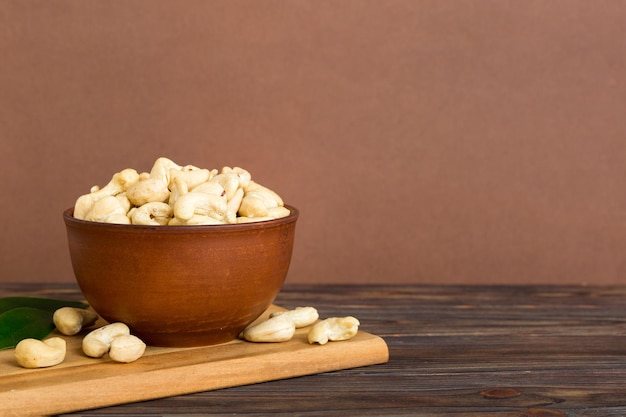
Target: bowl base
point(191, 339)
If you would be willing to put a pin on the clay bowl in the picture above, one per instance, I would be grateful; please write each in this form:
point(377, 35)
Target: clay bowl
point(181, 286)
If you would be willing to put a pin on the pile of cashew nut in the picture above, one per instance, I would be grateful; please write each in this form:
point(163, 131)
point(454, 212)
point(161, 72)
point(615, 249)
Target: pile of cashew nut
point(281, 327)
point(114, 339)
point(172, 194)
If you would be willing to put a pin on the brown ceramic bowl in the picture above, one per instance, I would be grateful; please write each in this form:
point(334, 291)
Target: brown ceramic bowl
point(181, 285)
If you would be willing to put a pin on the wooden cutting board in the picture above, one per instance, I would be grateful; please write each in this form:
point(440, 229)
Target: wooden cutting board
point(81, 383)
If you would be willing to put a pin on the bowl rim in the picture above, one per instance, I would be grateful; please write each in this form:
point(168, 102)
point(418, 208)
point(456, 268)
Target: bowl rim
point(69, 219)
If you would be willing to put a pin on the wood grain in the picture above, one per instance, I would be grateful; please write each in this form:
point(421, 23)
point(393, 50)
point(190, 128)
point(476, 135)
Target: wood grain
point(506, 351)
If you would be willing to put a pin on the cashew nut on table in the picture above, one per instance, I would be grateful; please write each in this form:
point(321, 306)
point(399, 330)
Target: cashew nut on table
point(193, 196)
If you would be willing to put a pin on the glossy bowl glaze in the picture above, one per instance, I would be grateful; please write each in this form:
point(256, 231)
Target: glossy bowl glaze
point(181, 285)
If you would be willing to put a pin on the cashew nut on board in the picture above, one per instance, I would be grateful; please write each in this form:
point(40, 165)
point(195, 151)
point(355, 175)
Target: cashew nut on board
point(71, 320)
point(300, 316)
point(126, 348)
point(196, 196)
point(333, 329)
point(281, 326)
point(275, 329)
point(34, 353)
point(98, 341)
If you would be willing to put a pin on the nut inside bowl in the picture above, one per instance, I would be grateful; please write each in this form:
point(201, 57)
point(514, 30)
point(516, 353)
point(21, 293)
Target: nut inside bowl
point(181, 286)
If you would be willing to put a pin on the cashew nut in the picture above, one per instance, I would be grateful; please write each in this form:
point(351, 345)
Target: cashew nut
point(230, 182)
point(154, 213)
point(125, 203)
point(191, 175)
point(34, 353)
point(71, 320)
point(228, 196)
point(270, 197)
point(258, 200)
point(278, 212)
point(252, 206)
point(244, 176)
point(333, 329)
point(119, 183)
point(177, 187)
point(210, 187)
point(147, 191)
point(98, 342)
point(126, 348)
point(300, 316)
point(232, 206)
point(276, 329)
point(107, 209)
point(200, 203)
point(161, 169)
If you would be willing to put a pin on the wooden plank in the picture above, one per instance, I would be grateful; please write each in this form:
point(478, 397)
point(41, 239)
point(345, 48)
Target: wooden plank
point(81, 383)
point(562, 350)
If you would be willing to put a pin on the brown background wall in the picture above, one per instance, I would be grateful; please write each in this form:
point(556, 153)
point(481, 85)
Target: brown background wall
point(423, 141)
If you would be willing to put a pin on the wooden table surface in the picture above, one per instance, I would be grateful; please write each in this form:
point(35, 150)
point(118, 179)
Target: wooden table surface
point(454, 351)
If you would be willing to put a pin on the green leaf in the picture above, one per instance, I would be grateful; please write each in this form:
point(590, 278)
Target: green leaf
point(28, 317)
point(22, 323)
point(47, 304)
